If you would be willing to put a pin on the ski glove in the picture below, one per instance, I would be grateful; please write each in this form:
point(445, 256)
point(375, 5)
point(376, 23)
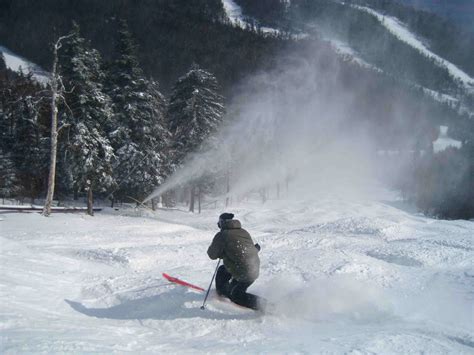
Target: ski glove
point(258, 246)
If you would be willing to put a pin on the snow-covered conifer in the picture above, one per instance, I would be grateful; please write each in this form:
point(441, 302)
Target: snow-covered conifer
point(138, 131)
point(195, 111)
point(9, 185)
point(88, 112)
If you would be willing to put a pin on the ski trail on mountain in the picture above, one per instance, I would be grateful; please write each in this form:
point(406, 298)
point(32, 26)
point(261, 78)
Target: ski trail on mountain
point(16, 63)
point(397, 28)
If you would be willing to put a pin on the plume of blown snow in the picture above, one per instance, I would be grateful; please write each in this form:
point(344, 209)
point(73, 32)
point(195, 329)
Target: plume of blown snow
point(294, 125)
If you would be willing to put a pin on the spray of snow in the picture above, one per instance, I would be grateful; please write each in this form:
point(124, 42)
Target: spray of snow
point(340, 297)
point(17, 63)
point(287, 126)
point(401, 32)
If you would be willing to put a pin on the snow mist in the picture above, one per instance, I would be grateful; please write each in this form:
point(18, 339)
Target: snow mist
point(295, 127)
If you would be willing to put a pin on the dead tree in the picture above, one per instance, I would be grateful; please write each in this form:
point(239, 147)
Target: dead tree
point(57, 90)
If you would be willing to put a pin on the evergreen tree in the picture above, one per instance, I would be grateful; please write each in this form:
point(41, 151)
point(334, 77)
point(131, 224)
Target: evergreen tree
point(137, 131)
point(22, 133)
point(9, 185)
point(195, 111)
point(88, 112)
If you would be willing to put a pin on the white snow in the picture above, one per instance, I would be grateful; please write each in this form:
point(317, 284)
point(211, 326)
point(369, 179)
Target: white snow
point(444, 98)
point(401, 32)
point(234, 12)
point(16, 63)
point(347, 276)
point(347, 52)
point(444, 141)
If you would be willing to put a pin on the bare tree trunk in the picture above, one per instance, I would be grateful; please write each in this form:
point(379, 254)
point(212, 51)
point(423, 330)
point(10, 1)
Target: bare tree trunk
point(54, 149)
point(76, 192)
point(191, 203)
point(90, 202)
point(199, 200)
point(56, 90)
point(153, 204)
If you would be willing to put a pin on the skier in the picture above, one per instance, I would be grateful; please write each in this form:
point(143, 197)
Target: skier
point(241, 266)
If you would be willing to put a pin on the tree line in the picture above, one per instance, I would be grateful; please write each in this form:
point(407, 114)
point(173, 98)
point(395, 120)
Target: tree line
point(171, 35)
point(118, 136)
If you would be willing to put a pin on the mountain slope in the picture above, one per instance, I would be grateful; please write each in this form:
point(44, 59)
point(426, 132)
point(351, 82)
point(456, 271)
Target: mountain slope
point(171, 34)
point(384, 37)
point(16, 63)
point(458, 11)
point(401, 32)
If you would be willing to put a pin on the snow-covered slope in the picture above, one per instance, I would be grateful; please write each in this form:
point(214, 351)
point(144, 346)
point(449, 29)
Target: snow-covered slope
point(401, 32)
point(347, 276)
point(16, 63)
point(234, 13)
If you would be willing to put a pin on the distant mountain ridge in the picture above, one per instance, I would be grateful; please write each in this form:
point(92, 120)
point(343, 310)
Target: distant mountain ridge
point(235, 39)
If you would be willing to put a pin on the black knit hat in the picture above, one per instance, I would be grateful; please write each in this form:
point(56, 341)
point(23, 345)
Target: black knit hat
point(224, 217)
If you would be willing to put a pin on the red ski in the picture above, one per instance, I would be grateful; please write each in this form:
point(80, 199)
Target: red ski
point(181, 282)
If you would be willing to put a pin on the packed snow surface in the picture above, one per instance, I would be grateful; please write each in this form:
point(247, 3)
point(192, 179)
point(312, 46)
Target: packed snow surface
point(401, 32)
point(346, 275)
point(16, 63)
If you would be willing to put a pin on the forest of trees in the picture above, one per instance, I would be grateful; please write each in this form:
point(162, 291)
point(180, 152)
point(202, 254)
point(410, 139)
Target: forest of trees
point(440, 184)
point(121, 133)
point(118, 136)
point(445, 38)
point(171, 34)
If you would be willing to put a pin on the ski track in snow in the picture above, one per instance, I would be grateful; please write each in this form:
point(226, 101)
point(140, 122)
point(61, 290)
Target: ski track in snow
point(401, 32)
point(345, 276)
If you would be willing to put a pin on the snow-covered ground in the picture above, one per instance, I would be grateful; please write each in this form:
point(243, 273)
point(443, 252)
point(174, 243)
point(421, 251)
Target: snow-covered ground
point(444, 141)
point(355, 276)
point(16, 63)
point(403, 33)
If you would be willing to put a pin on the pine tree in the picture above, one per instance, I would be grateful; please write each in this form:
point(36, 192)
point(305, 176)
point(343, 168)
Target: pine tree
point(195, 111)
point(9, 184)
point(21, 132)
point(88, 112)
point(138, 133)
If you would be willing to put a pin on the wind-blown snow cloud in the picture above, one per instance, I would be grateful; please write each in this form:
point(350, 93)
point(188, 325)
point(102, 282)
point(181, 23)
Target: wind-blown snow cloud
point(288, 126)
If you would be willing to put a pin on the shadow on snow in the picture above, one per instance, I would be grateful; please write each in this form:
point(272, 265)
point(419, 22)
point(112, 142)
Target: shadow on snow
point(175, 304)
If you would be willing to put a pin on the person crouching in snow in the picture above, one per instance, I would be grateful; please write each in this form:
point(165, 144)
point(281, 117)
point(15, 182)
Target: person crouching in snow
point(241, 266)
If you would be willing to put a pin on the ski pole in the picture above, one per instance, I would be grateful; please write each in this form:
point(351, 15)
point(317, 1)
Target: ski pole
point(210, 285)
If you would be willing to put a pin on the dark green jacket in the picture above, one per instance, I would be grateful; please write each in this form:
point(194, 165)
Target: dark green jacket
point(235, 246)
